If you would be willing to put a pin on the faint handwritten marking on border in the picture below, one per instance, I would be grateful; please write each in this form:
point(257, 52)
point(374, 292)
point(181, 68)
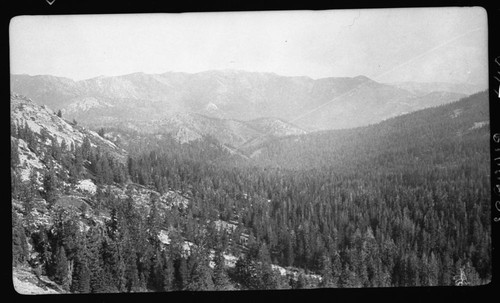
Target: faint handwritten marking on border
point(496, 138)
point(496, 78)
point(50, 2)
point(496, 189)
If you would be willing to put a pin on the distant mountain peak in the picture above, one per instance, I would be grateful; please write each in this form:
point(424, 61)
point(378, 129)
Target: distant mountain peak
point(362, 78)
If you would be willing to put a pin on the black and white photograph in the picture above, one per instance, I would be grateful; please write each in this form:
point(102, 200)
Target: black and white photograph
point(250, 150)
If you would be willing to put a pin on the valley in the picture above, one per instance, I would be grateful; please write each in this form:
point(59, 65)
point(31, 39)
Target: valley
point(109, 195)
point(220, 154)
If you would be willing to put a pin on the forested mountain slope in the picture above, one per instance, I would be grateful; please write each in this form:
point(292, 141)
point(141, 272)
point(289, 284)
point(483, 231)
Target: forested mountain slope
point(78, 220)
point(400, 203)
point(448, 134)
point(405, 202)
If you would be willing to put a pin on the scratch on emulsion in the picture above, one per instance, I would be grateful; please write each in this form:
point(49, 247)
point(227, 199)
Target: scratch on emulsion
point(354, 20)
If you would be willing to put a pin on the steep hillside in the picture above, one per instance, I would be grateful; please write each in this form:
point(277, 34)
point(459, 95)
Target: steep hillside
point(65, 175)
point(405, 140)
point(42, 119)
point(327, 103)
point(367, 102)
point(47, 130)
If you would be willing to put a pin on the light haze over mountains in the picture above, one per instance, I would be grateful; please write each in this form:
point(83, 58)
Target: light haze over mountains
point(300, 71)
point(326, 103)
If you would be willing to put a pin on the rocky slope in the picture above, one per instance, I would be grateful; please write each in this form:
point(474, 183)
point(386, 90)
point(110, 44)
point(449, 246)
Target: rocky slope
point(46, 125)
point(25, 282)
point(187, 127)
point(77, 199)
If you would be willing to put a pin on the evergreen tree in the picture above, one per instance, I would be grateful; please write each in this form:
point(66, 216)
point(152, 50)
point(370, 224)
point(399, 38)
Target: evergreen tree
point(131, 273)
point(244, 271)
point(15, 183)
point(19, 245)
point(446, 277)
point(109, 285)
point(56, 150)
point(112, 264)
point(153, 220)
point(168, 273)
point(106, 173)
point(44, 135)
point(43, 247)
point(266, 278)
point(221, 280)
point(81, 273)
point(430, 270)
point(27, 196)
point(302, 282)
point(336, 269)
point(156, 278)
point(14, 156)
point(348, 278)
point(95, 262)
point(200, 276)
point(78, 160)
point(86, 148)
point(50, 186)
point(61, 268)
point(326, 273)
point(181, 273)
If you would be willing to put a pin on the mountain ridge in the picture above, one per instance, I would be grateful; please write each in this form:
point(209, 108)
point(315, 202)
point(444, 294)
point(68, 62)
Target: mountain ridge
point(434, 125)
point(187, 127)
point(229, 94)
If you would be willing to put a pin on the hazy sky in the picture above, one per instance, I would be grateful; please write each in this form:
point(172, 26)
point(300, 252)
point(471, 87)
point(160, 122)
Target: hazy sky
point(415, 44)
